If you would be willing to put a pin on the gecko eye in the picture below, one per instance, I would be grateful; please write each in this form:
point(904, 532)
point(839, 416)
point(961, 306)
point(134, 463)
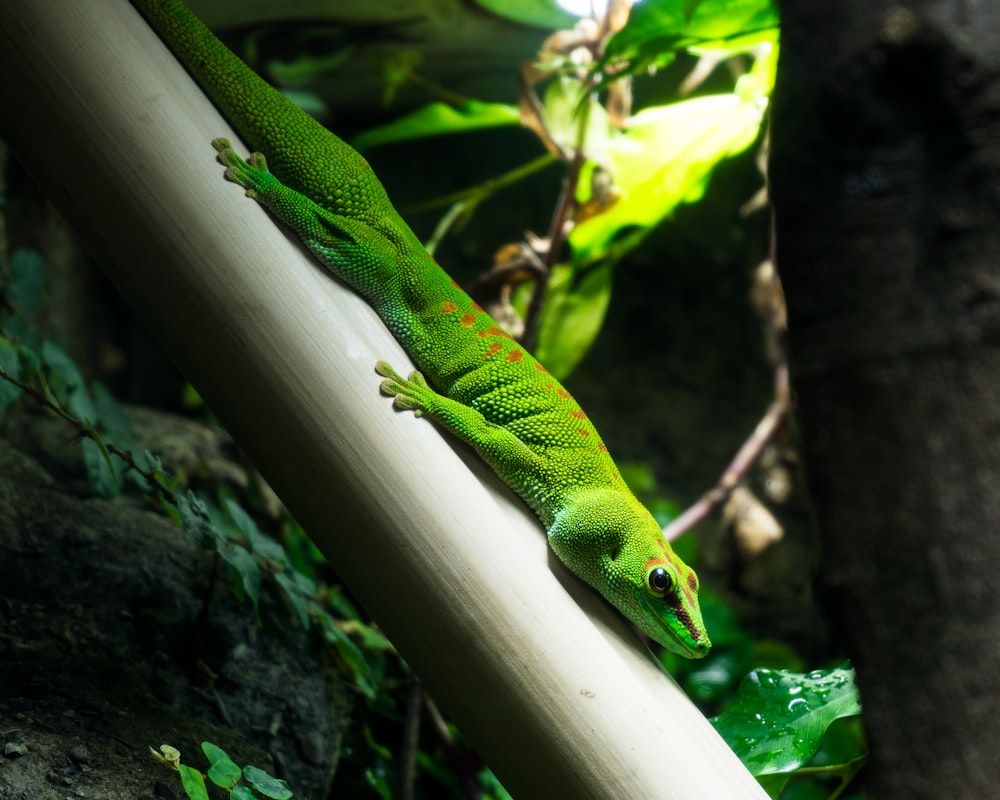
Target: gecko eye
point(659, 581)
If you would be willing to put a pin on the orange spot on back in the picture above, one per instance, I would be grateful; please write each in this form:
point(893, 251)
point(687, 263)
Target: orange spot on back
point(468, 318)
point(601, 447)
point(583, 432)
point(493, 330)
point(493, 349)
point(515, 355)
point(563, 394)
point(579, 414)
point(447, 307)
point(540, 368)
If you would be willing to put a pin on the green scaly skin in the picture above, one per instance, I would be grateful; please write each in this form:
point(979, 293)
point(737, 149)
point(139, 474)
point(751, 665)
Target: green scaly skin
point(480, 384)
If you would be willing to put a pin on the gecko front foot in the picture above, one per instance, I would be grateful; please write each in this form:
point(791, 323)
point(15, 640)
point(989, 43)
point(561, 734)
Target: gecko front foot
point(252, 175)
point(409, 394)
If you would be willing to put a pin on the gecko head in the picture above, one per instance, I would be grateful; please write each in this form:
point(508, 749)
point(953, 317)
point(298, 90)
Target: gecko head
point(611, 541)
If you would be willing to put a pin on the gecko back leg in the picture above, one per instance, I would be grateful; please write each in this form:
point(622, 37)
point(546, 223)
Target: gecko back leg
point(499, 445)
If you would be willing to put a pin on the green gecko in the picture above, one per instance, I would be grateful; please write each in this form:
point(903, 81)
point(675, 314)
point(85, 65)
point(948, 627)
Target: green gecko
point(480, 384)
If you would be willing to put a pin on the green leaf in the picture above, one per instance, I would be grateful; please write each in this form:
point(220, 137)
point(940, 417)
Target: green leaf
point(657, 29)
point(224, 775)
point(299, 602)
point(639, 477)
point(566, 101)
point(439, 118)
point(574, 311)
point(11, 364)
point(644, 46)
point(265, 784)
point(31, 363)
point(215, 754)
point(20, 330)
point(103, 478)
point(260, 543)
point(242, 793)
point(304, 70)
point(378, 781)
point(111, 415)
point(65, 377)
point(779, 717)
point(538, 13)
point(147, 463)
point(198, 522)
point(223, 771)
point(491, 787)
point(370, 639)
point(351, 656)
point(80, 404)
point(27, 280)
point(193, 782)
point(246, 573)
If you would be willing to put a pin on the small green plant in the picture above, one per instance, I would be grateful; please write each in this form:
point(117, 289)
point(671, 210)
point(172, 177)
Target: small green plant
point(242, 783)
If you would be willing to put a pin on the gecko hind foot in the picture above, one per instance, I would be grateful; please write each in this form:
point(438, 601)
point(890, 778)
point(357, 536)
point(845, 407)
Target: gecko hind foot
point(408, 394)
point(246, 173)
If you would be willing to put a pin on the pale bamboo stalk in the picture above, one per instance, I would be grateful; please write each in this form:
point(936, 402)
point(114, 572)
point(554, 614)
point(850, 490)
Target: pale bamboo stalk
point(547, 681)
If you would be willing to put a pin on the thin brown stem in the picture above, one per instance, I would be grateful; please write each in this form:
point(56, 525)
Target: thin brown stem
point(558, 234)
point(45, 399)
point(742, 461)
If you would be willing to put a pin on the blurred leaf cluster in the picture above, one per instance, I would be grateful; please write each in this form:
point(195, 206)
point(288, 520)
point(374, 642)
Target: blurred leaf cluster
point(628, 170)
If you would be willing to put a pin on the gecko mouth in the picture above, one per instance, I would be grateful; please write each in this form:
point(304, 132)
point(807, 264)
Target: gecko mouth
point(685, 619)
point(689, 639)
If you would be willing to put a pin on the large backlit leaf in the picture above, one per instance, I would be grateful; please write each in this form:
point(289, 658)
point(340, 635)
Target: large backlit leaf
point(439, 118)
point(668, 156)
point(574, 311)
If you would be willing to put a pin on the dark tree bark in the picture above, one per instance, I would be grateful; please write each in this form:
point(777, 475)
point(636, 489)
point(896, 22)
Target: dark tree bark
point(886, 185)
